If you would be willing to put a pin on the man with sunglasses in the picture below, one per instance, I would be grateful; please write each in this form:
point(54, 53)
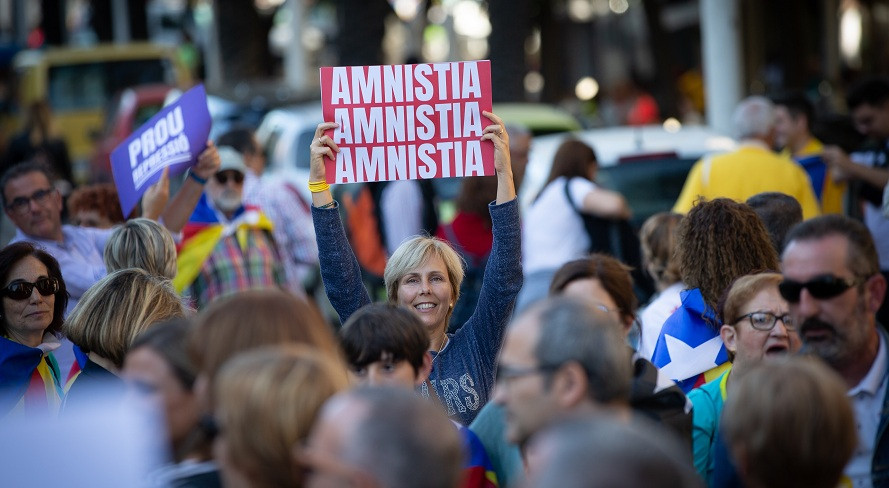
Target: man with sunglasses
point(282, 203)
point(227, 246)
point(834, 287)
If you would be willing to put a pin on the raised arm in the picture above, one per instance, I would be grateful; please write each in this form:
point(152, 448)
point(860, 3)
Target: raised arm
point(845, 169)
point(180, 208)
point(503, 272)
point(606, 203)
point(322, 145)
point(497, 134)
point(339, 267)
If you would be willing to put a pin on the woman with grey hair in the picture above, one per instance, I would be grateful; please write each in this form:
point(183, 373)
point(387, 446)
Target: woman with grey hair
point(424, 275)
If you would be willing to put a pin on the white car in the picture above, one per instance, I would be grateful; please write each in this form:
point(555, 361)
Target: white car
point(285, 134)
point(647, 164)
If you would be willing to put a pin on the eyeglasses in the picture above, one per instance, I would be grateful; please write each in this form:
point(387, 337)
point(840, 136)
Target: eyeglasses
point(766, 321)
point(605, 308)
point(821, 287)
point(21, 290)
point(21, 205)
point(223, 176)
point(507, 373)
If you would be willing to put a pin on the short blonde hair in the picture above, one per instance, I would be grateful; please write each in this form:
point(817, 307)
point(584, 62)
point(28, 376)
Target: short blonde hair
point(414, 252)
point(266, 403)
point(792, 422)
point(741, 291)
point(144, 244)
point(115, 310)
point(253, 319)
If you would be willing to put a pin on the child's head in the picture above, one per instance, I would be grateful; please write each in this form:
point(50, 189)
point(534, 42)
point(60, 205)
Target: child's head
point(386, 345)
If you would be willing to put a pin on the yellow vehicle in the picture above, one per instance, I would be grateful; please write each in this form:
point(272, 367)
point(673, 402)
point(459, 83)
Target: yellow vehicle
point(78, 83)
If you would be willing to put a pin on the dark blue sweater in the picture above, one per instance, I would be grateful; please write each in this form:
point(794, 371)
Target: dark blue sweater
point(463, 374)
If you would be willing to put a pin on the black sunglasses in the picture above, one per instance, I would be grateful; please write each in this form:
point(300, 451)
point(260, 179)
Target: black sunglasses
point(223, 176)
point(821, 287)
point(21, 290)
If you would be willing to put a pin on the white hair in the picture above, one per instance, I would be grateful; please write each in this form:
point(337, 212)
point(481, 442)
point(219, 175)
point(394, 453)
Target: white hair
point(753, 117)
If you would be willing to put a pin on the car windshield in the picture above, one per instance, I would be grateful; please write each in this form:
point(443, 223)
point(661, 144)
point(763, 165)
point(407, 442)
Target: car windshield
point(90, 85)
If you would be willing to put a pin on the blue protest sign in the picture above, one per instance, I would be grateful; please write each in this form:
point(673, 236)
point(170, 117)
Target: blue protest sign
point(173, 138)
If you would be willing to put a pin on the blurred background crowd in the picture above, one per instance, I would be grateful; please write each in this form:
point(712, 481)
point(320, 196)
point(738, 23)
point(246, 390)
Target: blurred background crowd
point(676, 276)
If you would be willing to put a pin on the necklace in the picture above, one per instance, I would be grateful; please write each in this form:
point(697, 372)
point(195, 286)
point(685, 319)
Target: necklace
point(441, 348)
point(429, 385)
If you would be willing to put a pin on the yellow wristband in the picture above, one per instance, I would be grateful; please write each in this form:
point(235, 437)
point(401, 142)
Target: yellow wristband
point(318, 186)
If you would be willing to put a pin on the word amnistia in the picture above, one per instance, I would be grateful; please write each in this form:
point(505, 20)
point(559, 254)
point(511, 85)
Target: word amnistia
point(405, 83)
point(399, 162)
point(362, 125)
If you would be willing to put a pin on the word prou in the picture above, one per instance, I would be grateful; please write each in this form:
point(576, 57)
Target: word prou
point(174, 151)
point(154, 137)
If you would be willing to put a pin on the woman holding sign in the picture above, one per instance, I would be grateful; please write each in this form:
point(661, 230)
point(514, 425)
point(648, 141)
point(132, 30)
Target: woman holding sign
point(424, 275)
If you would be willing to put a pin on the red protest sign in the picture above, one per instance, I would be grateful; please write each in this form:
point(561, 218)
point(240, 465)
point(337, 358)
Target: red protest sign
point(408, 121)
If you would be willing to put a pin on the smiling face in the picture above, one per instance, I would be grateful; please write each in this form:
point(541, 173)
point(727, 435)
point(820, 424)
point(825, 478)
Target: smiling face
point(751, 345)
point(39, 217)
point(426, 291)
point(27, 320)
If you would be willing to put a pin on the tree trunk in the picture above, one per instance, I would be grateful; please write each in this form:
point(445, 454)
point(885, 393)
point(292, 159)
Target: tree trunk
point(102, 19)
point(552, 53)
point(52, 22)
point(664, 89)
point(361, 29)
point(243, 41)
point(510, 27)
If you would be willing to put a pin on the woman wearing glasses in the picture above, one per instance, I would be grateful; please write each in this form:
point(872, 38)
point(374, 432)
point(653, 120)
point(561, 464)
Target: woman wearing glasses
point(33, 305)
point(757, 326)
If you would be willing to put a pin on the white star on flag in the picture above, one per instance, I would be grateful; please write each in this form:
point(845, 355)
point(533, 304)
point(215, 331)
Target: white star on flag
point(687, 361)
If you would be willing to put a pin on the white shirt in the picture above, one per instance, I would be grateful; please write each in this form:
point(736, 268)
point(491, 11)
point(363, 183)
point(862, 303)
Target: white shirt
point(401, 208)
point(653, 316)
point(876, 222)
point(867, 402)
point(552, 232)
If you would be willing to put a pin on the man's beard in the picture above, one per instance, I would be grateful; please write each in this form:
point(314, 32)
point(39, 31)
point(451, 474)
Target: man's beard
point(828, 347)
point(228, 202)
point(837, 345)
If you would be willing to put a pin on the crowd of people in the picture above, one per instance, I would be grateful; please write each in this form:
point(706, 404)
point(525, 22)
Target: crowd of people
point(506, 351)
